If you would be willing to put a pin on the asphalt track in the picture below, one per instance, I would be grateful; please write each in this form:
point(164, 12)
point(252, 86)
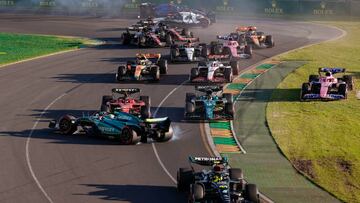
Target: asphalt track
point(83, 169)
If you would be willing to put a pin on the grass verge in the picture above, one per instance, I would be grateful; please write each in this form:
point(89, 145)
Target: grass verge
point(322, 139)
point(17, 47)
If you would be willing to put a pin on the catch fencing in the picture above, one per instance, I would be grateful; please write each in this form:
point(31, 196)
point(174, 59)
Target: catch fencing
point(221, 7)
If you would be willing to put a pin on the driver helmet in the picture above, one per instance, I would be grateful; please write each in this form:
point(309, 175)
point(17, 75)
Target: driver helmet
point(328, 74)
point(112, 116)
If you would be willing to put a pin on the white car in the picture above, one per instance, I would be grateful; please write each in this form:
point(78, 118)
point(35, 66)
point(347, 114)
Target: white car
point(213, 72)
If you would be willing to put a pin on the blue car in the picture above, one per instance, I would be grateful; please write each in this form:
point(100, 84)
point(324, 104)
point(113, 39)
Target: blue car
point(213, 105)
point(121, 126)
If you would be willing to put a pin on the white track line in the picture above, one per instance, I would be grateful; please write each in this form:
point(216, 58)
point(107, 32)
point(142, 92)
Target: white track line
point(153, 144)
point(28, 160)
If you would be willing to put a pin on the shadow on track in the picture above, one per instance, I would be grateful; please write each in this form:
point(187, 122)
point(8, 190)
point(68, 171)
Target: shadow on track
point(110, 78)
point(265, 95)
point(136, 193)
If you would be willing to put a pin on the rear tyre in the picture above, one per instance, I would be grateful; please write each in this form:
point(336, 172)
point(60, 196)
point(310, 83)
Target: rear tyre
point(169, 40)
point(204, 50)
point(248, 50)
point(342, 90)
point(163, 64)
point(185, 177)
point(125, 39)
point(269, 41)
point(252, 193)
point(229, 110)
point(66, 125)
point(165, 136)
point(313, 78)
point(315, 88)
point(128, 136)
point(105, 108)
point(121, 73)
point(194, 73)
point(236, 174)
point(229, 97)
point(228, 75)
point(349, 81)
point(145, 110)
point(226, 51)
point(235, 66)
point(304, 90)
point(198, 191)
point(155, 73)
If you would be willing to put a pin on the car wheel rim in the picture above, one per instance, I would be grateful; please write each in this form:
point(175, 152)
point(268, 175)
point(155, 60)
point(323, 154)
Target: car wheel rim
point(125, 136)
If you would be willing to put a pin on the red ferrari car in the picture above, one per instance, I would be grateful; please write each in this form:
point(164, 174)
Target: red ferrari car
point(120, 100)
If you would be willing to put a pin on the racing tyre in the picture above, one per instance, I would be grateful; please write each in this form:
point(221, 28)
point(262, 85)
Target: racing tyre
point(252, 193)
point(141, 42)
point(204, 50)
point(105, 108)
point(236, 174)
point(228, 75)
point(226, 51)
point(128, 136)
point(173, 53)
point(215, 48)
point(204, 23)
point(66, 125)
point(194, 73)
point(121, 73)
point(105, 99)
point(229, 110)
point(165, 136)
point(304, 90)
point(198, 191)
point(163, 64)
point(349, 81)
point(155, 73)
point(269, 41)
point(342, 90)
point(315, 88)
point(145, 110)
point(169, 40)
point(229, 97)
point(189, 107)
point(313, 78)
point(125, 39)
point(248, 50)
point(235, 66)
point(185, 177)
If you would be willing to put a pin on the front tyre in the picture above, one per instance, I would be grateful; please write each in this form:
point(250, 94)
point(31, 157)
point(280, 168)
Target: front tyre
point(67, 125)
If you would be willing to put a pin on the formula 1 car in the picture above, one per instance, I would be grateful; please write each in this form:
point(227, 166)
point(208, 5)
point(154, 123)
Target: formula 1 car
point(121, 126)
point(188, 52)
point(229, 50)
point(213, 105)
point(145, 67)
point(138, 107)
point(144, 37)
point(165, 10)
point(220, 183)
point(327, 87)
point(214, 72)
point(250, 36)
point(163, 32)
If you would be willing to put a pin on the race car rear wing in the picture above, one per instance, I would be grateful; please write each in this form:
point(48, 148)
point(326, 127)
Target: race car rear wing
point(208, 161)
point(206, 88)
point(332, 70)
point(125, 90)
point(245, 28)
point(149, 55)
